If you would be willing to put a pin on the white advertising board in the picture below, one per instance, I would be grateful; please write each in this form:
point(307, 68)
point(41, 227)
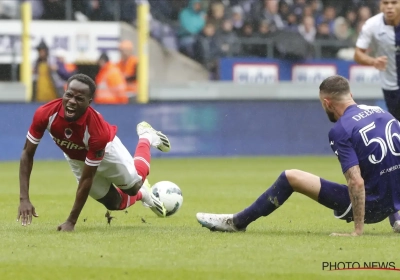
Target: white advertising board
point(255, 73)
point(83, 41)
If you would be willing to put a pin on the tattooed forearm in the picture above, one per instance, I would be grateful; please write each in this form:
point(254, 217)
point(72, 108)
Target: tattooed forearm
point(357, 196)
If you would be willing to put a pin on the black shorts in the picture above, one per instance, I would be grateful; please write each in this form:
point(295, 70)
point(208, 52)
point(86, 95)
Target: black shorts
point(392, 100)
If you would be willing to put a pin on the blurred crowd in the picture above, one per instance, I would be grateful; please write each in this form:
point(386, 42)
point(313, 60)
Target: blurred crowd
point(116, 83)
point(211, 29)
point(206, 30)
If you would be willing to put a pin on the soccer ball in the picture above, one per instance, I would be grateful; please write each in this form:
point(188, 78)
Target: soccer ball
point(169, 194)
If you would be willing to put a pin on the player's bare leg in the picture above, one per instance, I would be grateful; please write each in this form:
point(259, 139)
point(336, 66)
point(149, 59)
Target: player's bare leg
point(288, 182)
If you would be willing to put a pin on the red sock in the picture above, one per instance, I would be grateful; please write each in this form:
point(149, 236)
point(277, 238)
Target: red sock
point(142, 158)
point(128, 200)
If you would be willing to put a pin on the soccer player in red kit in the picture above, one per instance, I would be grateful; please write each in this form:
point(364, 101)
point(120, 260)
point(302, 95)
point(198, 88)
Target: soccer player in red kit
point(102, 165)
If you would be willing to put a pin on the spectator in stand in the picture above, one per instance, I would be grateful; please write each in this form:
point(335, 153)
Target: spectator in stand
point(328, 17)
point(110, 83)
point(351, 17)
point(237, 18)
point(298, 7)
point(316, 7)
point(217, 14)
point(46, 86)
point(323, 33)
point(342, 31)
point(269, 12)
point(128, 10)
point(128, 65)
point(99, 10)
point(284, 10)
point(307, 29)
point(228, 41)
point(248, 49)
point(192, 20)
point(364, 13)
point(308, 12)
point(265, 34)
point(292, 22)
point(206, 48)
point(63, 69)
point(248, 7)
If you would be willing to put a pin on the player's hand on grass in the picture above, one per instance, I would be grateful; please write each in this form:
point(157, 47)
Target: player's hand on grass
point(345, 234)
point(25, 212)
point(67, 226)
point(380, 63)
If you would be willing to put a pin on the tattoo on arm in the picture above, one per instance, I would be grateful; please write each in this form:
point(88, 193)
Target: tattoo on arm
point(357, 195)
point(352, 172)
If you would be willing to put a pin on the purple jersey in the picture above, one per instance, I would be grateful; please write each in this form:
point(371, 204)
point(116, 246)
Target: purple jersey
point(370, 137)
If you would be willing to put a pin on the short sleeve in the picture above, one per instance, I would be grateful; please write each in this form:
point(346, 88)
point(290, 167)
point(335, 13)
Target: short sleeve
point(99, 138)
point(342, 146)
point(365, 36)
point(38, 126)
point(96, 153)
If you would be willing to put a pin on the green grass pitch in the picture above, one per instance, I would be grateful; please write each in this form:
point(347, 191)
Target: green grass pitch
point(292, 243)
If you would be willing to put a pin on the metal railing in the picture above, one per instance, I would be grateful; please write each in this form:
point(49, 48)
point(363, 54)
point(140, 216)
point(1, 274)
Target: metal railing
point(270, 45)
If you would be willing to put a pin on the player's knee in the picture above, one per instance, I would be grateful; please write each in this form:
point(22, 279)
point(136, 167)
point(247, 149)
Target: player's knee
point(110, 204)
point(293, 176)
point(134, 190)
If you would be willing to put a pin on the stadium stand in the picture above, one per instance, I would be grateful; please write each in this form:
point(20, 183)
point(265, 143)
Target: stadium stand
point(206, 30)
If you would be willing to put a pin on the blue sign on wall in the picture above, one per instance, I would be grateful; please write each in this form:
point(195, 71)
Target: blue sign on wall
point(196, 129)
point(256, 70)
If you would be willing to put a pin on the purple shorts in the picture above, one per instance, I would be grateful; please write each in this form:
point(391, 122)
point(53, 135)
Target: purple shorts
point(336, 197)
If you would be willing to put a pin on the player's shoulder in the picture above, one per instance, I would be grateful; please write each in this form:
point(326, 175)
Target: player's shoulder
point(375, 21)
point(95, 121)
point(338, 131)
point(345, 124)
point(94, 116)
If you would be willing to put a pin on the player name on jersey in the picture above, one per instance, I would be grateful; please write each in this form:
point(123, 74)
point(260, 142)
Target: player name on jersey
point(367, 113)
point(68, 144)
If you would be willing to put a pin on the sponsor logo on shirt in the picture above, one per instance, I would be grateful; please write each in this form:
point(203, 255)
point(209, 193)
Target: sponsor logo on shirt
point(68, 144)
point(68, 132)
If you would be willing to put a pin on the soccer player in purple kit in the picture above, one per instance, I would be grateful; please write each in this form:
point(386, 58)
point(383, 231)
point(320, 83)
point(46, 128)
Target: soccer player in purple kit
point(366, 140)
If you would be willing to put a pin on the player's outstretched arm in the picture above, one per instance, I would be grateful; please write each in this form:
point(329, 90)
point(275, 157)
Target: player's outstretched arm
point(357, 196)
point(361, 57)
point(85, 183)
point(26, 209)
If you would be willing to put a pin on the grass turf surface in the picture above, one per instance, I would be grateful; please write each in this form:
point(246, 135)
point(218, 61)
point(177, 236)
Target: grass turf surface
point(292, 243)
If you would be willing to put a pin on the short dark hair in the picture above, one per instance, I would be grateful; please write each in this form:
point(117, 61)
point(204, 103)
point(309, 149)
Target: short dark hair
point(86, 80)
point(335, 86)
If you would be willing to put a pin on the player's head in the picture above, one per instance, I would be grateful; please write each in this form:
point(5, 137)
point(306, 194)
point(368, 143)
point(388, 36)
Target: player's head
point(334, 91)
point(78, 96)
point(390, 9)
point(126, 49)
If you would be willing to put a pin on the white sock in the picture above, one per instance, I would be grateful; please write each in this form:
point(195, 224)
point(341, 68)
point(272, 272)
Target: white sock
point(146, 135)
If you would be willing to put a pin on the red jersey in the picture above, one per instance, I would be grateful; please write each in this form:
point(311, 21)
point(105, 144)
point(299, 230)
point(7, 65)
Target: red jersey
point(84, 139)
